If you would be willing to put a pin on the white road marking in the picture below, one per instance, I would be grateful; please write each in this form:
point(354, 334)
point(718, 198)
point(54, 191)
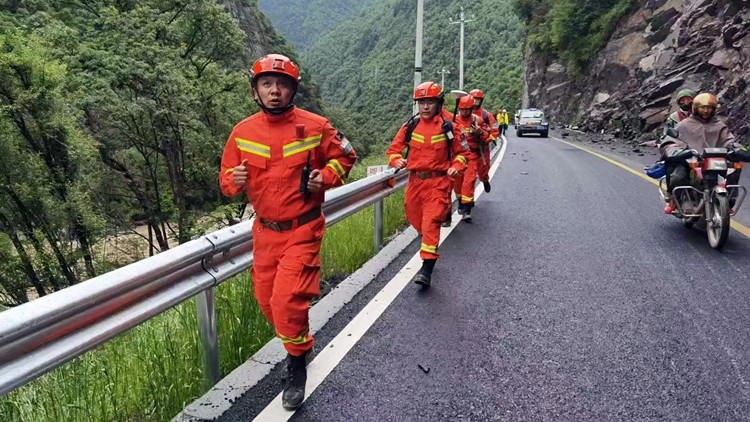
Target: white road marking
point(329, 358)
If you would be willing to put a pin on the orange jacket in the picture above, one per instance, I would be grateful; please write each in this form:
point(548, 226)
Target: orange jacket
point(275, 158)
point(466, 128)
point(493, 127)
point(429, 147)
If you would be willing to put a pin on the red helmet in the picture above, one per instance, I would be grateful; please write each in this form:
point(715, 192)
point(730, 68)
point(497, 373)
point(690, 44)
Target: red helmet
point(477, 93)
point(275, 63)
point(428, 90)
point(466, 102)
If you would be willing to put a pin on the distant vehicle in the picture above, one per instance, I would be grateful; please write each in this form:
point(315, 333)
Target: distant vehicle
point(532, 120)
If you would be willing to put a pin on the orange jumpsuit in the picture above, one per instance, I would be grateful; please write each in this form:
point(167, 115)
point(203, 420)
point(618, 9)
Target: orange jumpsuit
point(286, 267)
point(463, 185)
point(428, 191)
point(493, 128)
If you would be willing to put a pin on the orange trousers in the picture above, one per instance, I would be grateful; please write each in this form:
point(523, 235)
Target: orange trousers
point(286, 276)
point(464, 184)
point(483, 170)
point(427, 204)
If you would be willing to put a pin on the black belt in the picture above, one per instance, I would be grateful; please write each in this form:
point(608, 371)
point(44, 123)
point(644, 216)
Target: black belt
point(429, 174)
point(282, 226)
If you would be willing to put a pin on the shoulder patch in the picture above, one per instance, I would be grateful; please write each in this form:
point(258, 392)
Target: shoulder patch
point(345, 144)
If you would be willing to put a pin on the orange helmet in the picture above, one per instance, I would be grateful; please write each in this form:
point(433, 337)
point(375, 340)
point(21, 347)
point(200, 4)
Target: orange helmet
point(466, 102)
point(275, 63)
point(428, 90)
point(477, 93)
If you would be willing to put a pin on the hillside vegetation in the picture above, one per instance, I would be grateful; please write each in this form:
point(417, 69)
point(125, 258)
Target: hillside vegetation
point(573, 30)
point(112, 113)
point(364, 68)
point(304, 21)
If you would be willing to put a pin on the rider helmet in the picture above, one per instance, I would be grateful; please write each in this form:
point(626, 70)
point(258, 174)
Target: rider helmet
point(685, 93)
point(705, 100)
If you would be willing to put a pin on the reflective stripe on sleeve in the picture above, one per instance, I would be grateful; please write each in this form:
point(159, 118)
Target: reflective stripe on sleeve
point(335, 165)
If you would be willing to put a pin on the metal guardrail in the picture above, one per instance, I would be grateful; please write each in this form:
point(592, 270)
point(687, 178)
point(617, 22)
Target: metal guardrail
point(42, 335)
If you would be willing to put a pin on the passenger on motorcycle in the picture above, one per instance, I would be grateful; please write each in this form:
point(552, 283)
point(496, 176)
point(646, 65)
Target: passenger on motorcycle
point(698, 131)
point(685, 103)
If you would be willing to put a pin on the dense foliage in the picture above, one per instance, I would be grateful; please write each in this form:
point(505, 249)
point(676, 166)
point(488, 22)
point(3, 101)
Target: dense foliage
point(304, 21)
point(365, 66)
point(111, 112)
point(573, 30)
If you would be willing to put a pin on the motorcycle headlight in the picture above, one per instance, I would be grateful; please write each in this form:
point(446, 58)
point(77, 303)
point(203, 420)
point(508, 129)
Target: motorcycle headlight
point(716, 164)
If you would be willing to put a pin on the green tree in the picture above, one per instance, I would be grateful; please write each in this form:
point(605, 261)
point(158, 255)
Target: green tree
point(43, 190)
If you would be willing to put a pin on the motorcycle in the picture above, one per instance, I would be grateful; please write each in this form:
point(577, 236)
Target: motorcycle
point(708, 202)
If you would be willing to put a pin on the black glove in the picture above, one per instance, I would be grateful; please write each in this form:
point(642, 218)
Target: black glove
point(740, 154)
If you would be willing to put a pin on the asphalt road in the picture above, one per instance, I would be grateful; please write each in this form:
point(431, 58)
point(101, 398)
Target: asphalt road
point(572, 297)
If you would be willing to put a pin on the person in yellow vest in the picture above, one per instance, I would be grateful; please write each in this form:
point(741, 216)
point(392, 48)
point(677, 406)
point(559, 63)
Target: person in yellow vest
point(503, 120)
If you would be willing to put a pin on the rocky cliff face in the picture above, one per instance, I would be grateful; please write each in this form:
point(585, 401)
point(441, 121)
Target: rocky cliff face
point(664, 46)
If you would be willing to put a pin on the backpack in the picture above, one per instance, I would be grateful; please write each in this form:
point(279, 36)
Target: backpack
point(447, 131)
point(486, 117)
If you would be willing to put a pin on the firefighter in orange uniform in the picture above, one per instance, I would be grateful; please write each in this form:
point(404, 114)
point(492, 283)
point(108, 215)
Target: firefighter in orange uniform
point(476, 136)
point(435, 153)
point(490, 124)
point(285, 158)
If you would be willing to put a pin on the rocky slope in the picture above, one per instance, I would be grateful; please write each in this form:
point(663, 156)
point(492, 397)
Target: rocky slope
point(662, 47)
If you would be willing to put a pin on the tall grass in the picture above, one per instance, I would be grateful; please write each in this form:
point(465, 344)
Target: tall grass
point(154, 370)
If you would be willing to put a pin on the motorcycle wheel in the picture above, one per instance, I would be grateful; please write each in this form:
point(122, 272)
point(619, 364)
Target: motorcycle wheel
point(717, 225)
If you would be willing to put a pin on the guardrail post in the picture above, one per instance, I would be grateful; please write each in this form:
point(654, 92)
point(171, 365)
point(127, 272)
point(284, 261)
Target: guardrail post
point(378, 225)
point(205, 307)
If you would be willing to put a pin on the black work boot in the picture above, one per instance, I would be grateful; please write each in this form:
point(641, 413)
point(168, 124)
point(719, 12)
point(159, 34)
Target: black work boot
point(296, 377)
point(466, 217)
point(448, 219)
point(487, 186)
point(424, 275)
point(461, 208)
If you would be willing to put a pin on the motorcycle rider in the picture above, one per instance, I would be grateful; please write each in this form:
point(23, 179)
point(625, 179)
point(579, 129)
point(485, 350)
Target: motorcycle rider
point(685, 103)
point(702, 129)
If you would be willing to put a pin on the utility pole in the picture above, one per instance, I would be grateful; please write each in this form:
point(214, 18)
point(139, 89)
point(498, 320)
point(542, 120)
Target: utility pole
point(443, 72)
point(462, 21)
point(418, 49)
